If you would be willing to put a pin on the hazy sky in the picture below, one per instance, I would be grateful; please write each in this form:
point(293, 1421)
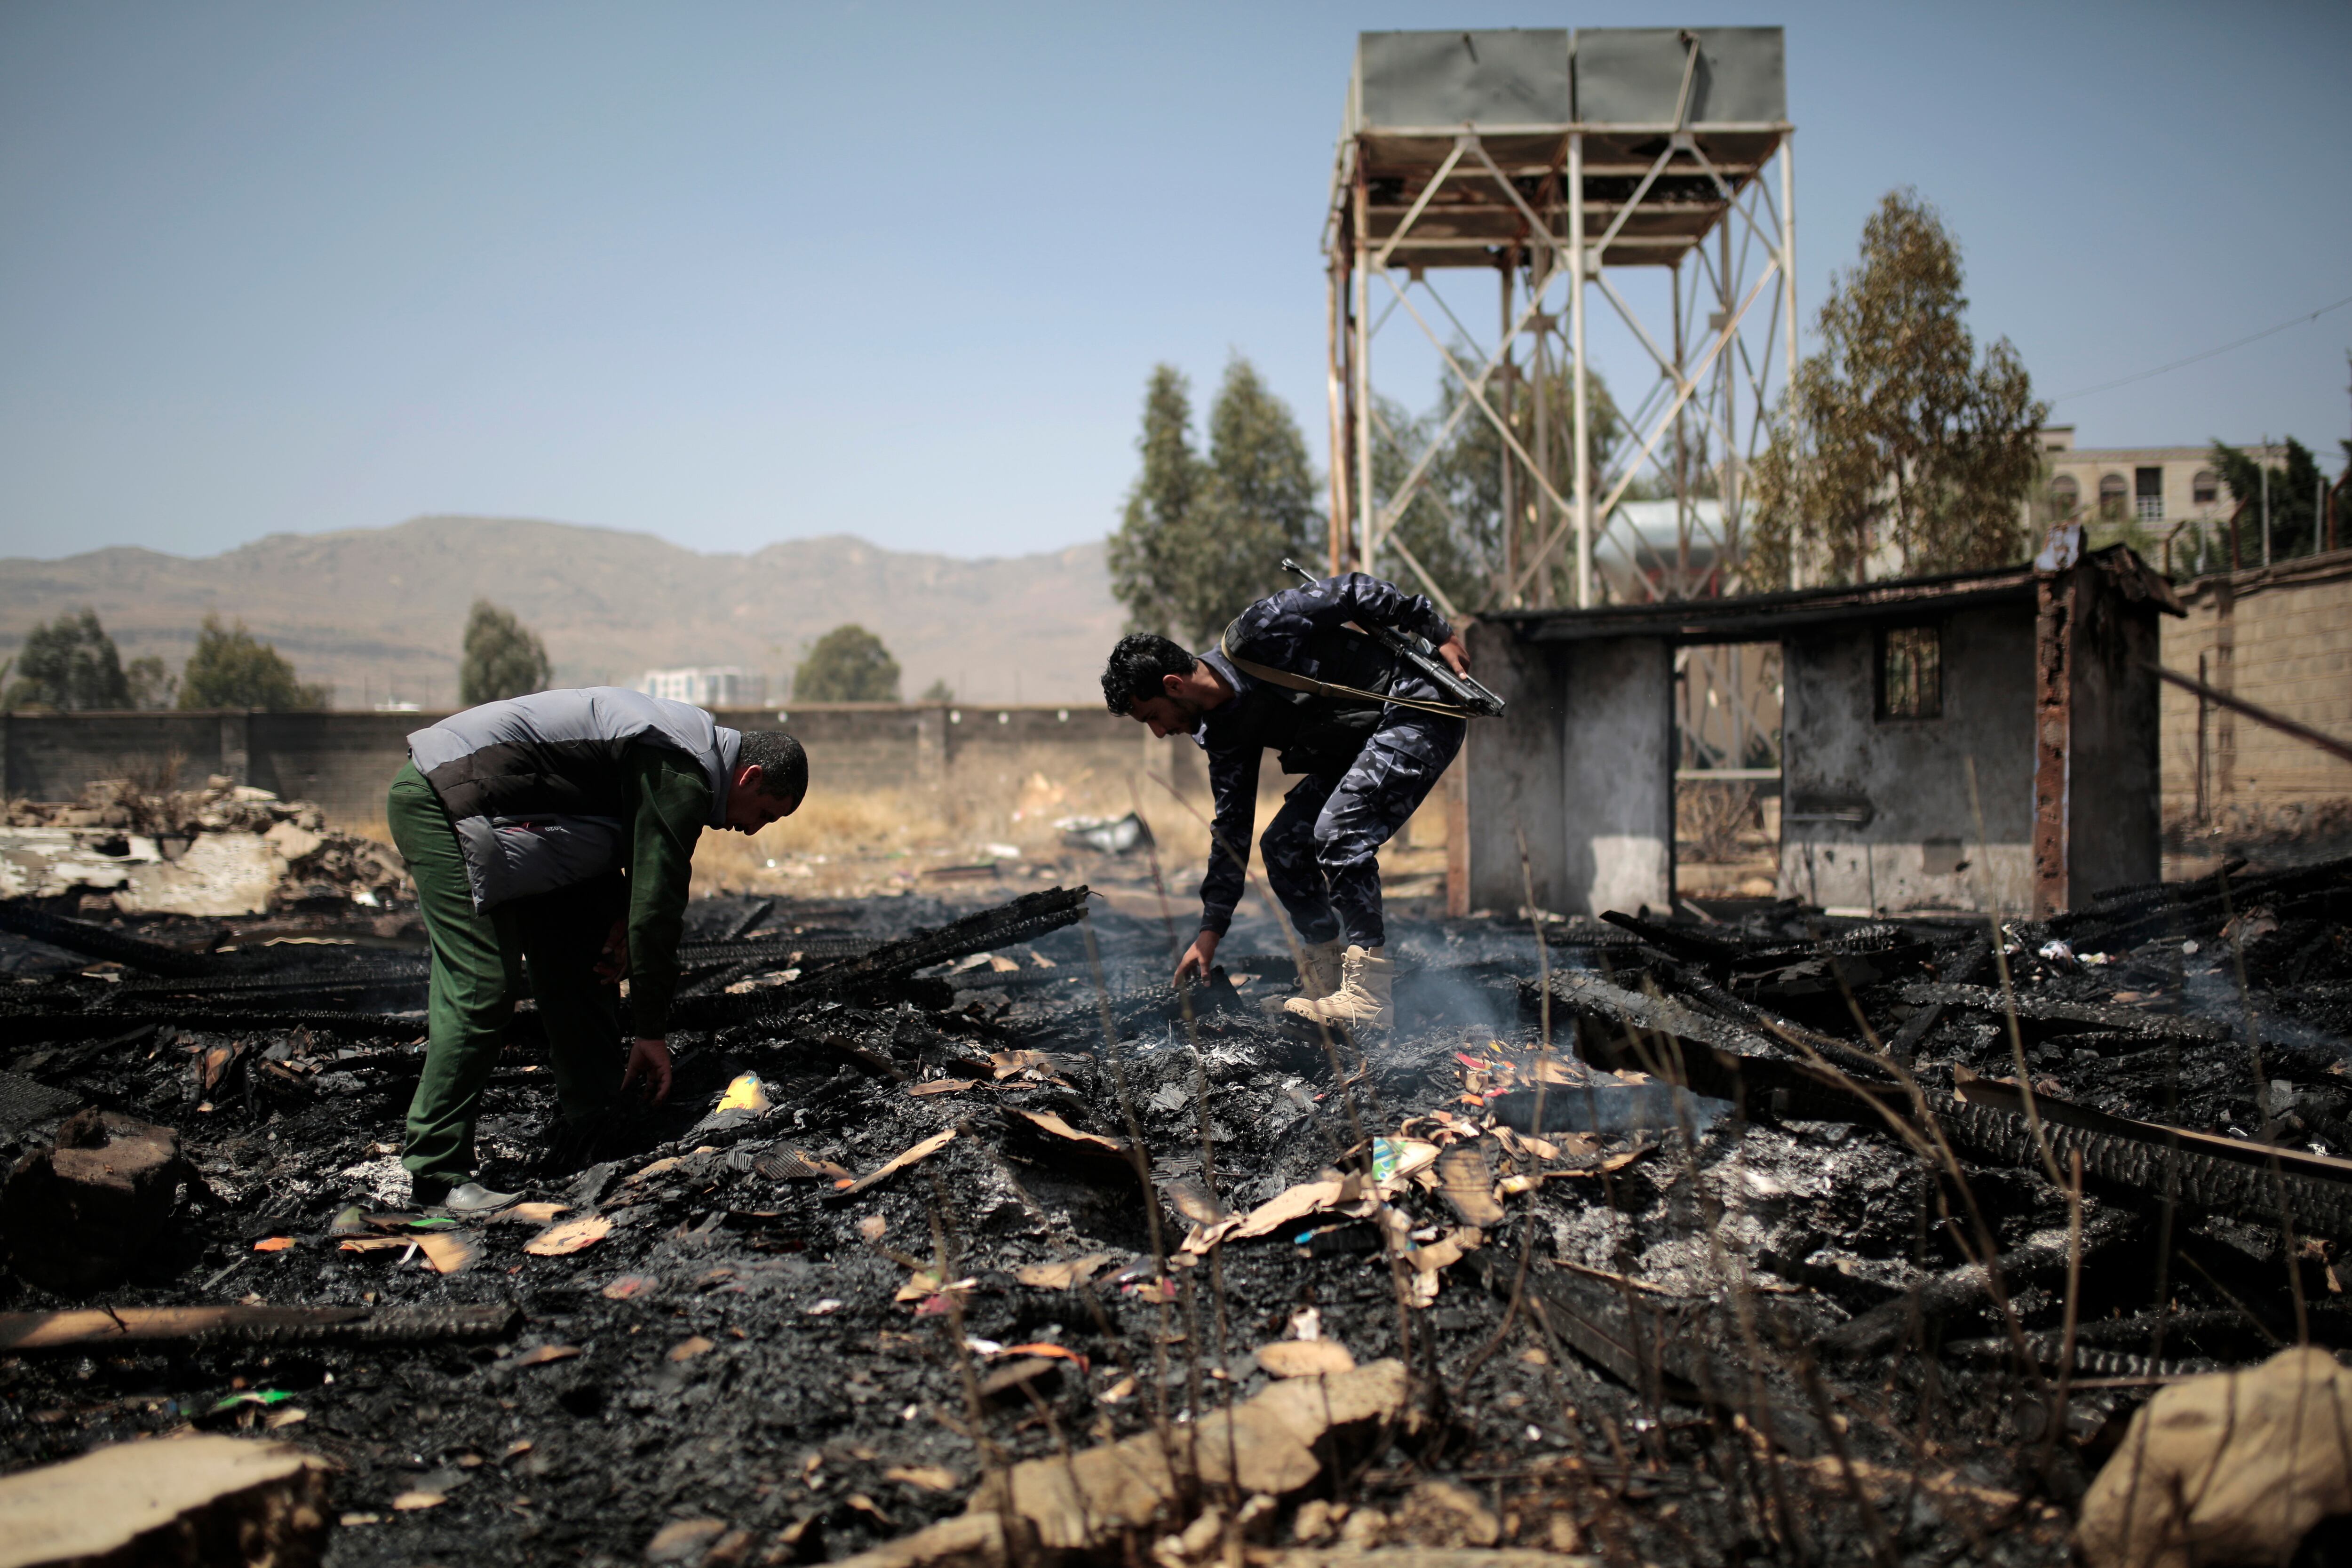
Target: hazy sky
point(732, 273)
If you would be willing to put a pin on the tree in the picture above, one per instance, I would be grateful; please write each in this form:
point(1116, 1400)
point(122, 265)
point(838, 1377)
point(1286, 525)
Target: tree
point(70, 663)
point(1145, 553)
point(2293, 496)
point(233, 669)
point(848, 664)
point(151, 686)
point(938, 690)
point(503, 657)
point(1896, 441)
point(1202, 537)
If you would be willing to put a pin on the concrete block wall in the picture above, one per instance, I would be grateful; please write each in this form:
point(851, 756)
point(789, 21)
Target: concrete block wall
point(1875, 813)
point(972, 762)
point(2280, 637)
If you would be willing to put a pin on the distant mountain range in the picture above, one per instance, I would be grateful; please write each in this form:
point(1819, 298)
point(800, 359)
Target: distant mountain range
point(379, 612)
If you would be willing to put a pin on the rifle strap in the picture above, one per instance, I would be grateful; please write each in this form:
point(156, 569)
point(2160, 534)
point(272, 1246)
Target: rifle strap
point(1314, 687)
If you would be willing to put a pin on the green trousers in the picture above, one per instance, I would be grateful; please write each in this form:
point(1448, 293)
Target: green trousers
point(477, 973)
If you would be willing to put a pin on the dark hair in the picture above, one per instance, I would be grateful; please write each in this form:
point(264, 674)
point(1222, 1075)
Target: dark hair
point(784, 766)
point(1137, 667)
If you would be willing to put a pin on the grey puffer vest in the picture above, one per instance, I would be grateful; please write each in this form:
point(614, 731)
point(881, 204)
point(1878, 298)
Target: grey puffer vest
point(537, 786)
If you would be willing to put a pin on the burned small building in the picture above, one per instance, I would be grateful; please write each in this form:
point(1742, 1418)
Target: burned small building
point(1975, 738)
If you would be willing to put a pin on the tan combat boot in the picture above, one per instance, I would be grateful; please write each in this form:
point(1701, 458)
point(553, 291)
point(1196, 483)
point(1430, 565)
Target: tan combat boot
point(1361, 1001)
point(1318, 976)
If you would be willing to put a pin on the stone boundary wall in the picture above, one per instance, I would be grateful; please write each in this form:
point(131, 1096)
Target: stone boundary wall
point(970, 762)
point(2280, 637)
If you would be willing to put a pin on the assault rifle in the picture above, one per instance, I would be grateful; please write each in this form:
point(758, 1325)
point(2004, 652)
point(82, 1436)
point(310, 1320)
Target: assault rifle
point(1459, 689)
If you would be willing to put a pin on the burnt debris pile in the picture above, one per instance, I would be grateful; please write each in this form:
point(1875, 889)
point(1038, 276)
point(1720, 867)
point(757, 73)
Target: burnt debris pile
point(963, 1238)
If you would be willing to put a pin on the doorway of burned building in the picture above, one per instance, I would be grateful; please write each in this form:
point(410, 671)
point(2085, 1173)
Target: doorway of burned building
point(1726, 699)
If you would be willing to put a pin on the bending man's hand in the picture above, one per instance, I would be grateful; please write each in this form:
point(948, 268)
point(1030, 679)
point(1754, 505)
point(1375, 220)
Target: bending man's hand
point(648, 1062)
point(1456, 656)
point(1194, 964)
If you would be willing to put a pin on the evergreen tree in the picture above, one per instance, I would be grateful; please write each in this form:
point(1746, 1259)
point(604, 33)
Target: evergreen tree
point(2293, 499)
point(503, 657)
point(848, 664)
point(151, 685)
point(233, 669)
point(69, 664)
point(1896, 439)
point(1202, 537)
point(1145, 553)
point(938, 690)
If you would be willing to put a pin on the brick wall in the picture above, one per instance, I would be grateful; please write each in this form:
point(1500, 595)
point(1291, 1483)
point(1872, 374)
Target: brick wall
point(2280, 637)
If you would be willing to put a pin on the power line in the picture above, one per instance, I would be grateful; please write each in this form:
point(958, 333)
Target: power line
point(2209, 354)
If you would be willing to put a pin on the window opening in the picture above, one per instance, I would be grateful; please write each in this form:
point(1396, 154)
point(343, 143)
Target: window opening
point(2065, 494)
point(2147, 494)
point(2112, 490)
point(2206, 488)
point(1911, 672)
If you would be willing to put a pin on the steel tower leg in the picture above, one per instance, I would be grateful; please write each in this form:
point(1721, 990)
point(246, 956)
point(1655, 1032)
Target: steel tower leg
point(1582, 395)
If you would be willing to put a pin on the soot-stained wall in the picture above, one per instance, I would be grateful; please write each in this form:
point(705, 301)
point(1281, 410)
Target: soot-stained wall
point(1582, 765)
point(1875, 813)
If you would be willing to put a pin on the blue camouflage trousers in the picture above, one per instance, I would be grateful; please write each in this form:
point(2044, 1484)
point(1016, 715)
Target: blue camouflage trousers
point(1322, 848)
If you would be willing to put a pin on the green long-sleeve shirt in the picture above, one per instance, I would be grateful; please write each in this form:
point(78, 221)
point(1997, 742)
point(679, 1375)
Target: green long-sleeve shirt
point(672, 798)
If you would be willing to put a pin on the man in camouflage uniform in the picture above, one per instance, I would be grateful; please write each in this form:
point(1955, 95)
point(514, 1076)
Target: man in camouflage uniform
point(1368, 761)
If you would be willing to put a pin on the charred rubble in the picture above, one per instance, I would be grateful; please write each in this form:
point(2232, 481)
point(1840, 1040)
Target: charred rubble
point(1760, 1235)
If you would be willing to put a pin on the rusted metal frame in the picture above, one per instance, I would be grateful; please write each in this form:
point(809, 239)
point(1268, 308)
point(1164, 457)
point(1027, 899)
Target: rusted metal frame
point(1682, 396)
point(1581, 427)
point(1476, 392)
point(1361, 364)
point(1484, 209)
point(1445, 604)
point(1506, 493)
point(2057, 611)
point(1781, 252)
point(1708, 405)
point(1732, 198)
point(1605, 524)
point(1335, 406)
point(1420, 203)
point(1612, 128)
point(1625, 212)
point(1790, 347)
point(1709, 270)
point(1522, 571)
point(1682, 452)
point(1341, 382)
point(1472, 388)
point(1686, 389)
point(1642, 241)
point(2259, 714)
point(1375, 525)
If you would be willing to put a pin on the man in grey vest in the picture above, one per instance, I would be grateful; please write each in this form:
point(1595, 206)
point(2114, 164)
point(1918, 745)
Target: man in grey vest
point(558, 829)
point(1370, 734)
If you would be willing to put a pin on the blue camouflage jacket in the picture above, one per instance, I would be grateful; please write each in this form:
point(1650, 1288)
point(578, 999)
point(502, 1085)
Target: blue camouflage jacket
point(1290, 631)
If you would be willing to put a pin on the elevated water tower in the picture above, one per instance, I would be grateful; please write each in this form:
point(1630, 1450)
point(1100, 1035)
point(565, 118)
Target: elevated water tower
point(1553, 159)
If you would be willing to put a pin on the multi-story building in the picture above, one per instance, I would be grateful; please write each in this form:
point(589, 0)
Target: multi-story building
point(2138, 484)
point(708, 686)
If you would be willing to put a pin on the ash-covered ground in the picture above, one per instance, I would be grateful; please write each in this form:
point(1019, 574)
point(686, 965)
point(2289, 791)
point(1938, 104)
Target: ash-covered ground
point(1746, 1319)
